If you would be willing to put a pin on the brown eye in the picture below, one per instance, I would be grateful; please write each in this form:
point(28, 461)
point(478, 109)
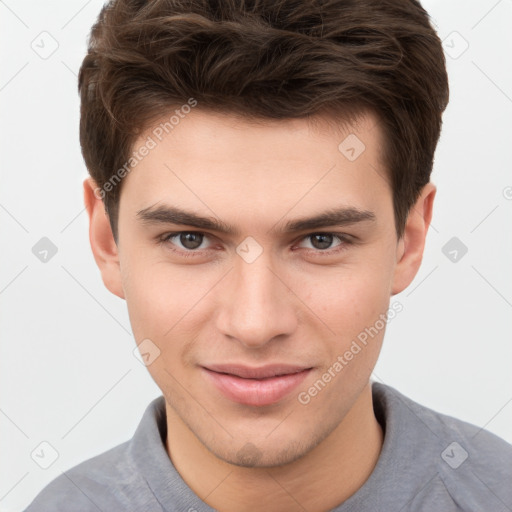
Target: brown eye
point(321, 240)
point(191, 240)
point(187, 241)
point(325, 244)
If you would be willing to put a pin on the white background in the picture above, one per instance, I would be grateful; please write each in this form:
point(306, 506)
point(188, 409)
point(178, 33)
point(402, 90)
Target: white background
point(68, 375)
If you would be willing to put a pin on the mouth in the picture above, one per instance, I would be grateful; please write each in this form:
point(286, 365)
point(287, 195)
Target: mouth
point(255, 386)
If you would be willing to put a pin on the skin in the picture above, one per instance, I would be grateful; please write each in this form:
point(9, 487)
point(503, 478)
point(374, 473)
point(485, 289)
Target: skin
point(296, 303)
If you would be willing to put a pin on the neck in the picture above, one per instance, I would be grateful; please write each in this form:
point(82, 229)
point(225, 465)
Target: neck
point(321, 480)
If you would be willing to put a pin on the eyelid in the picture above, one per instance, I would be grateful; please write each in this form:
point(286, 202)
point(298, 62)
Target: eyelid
point(166, 237)
point(344, 238)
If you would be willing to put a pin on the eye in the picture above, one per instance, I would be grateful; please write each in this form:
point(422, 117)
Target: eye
point(188, 241)
point(323, 242)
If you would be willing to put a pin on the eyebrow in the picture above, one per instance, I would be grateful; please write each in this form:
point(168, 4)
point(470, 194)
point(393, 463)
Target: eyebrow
point(333, 217)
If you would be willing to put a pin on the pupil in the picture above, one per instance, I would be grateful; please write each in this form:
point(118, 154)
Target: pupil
point(191, 240)
point(321, 241)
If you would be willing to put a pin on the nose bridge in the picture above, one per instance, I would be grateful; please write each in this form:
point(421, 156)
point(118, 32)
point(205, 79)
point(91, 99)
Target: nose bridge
point(257, 307)
point(255, 282)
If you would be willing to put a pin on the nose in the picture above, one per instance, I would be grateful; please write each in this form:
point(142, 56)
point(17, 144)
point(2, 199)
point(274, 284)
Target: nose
point(256, 306)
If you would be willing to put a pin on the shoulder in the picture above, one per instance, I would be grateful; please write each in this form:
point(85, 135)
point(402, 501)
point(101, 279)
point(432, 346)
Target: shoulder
point(94, 484)
point(116, 479)
point(474, 465)
point(446, 427)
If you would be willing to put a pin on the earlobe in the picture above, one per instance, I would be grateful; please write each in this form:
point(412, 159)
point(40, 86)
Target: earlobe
point(411, 246)
point(103, 245)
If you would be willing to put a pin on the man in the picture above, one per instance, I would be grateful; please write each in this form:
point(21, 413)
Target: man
point(260, 189)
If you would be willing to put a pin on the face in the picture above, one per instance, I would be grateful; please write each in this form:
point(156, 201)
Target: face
point(253, 257)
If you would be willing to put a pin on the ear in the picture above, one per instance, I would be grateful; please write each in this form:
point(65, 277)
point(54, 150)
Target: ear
point(410, 247)
point(103, 245)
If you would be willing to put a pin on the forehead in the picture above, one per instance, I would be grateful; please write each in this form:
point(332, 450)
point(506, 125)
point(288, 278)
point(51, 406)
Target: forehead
point(205, 128)
point(225, 163)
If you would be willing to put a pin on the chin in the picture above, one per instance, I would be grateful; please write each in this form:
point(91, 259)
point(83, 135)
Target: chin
point(269, 452)
point(252, 456)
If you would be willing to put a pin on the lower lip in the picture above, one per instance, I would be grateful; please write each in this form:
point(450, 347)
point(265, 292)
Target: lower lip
point(256, 392)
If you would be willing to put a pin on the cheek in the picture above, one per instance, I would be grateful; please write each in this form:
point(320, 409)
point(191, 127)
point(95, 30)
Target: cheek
point(163, 306)
point(350, 299)
point(150, 296)
point(355, 308)
point(162, 299)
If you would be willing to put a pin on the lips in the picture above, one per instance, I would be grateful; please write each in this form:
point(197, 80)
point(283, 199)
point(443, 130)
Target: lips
point(255, 386)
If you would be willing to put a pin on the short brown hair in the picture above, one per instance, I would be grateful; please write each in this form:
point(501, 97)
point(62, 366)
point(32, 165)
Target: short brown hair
point(267, 59)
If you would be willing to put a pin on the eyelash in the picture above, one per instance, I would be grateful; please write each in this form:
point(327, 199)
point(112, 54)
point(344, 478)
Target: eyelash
point(342, 237)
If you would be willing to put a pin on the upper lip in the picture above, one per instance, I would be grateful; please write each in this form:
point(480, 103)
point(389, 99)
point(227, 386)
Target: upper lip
point(260, 372)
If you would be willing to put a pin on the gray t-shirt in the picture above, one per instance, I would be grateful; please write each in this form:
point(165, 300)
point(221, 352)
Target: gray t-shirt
point(429, 462)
